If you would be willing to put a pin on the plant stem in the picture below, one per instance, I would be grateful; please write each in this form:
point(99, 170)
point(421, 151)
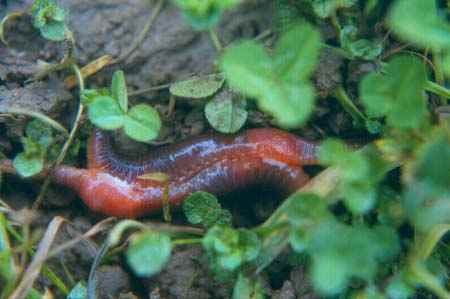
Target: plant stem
point(428, 280)
point(140, 39)
point(438, 72)
point(439, 90)
point(42, 117)
point(425, 246)
point(215, 39)
point(336, 25)
point(186, 241)
point(148, 89)
point(68, 142)
point(348, 106)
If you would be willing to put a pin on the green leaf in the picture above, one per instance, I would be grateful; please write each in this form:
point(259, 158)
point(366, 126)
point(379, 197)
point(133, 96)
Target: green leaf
point(325, 8)
point(105, 113)
point(398, 94)
point(434, 162)
point(31, 160)
point(54, 31)
point(229, 248)
point(119, 90)
point(226, 112)
point(28, 166)
point(249, 244)
point(354, 166)
point(360, 197)
point(148, 253)
point(290, 104)
point(78, 292)
point(225, 218)
point(358, 48)
point(425, 199)
point(142, 123)
point(329, 273)
point(202, 208)
point(246, 288)
point(202, 22)
point(203, 14)
point(49, 19)
point(339, 250)
point(306, 209)
point(426, 206)
point(248, 68)
point(287, 96)
point(360, 173)
point(40, 132)
point(297, 53)
point(89, 95)
point(197, 87)
point(418, 21)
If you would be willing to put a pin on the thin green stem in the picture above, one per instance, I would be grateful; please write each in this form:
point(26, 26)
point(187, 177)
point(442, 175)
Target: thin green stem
point(428, 280)
point(425, 245)
point(148, 89)
point(68, 142)
point(439, 90)
point(215, 40)
point(186, 241)
point(438, 72)
point(140, 39)
point(42, 117)
point(336, 25)
point(54, 278)
point(348, 106)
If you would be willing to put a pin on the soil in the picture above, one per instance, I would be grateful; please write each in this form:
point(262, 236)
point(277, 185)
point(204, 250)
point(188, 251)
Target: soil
point(171, 51)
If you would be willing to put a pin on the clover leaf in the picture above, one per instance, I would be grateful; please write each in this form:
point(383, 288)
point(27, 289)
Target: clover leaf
point(278, 83)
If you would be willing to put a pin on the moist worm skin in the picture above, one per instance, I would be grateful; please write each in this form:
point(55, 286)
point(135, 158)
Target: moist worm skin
point(213, 163)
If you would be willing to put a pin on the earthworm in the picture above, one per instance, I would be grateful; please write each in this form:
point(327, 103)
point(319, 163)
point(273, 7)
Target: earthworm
point(213, 163)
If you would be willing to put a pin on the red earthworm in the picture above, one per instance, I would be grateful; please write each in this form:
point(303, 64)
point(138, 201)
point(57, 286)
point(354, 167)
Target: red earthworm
point(214, 163)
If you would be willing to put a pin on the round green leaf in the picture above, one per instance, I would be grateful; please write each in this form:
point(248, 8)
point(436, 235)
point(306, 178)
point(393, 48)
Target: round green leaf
point(198, 87)
point(54, 31)
point(306, 209)
point(28, 166)
point(202, 207)
point(142, 123)
point(39, 132)
point(329, 273)
point(418, 21)
point(225, 114)
point(105, 113)
point(148, 253)
point(398, 93)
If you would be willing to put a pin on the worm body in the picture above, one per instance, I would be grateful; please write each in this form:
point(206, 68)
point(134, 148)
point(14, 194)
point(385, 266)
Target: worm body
point(214, 163)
